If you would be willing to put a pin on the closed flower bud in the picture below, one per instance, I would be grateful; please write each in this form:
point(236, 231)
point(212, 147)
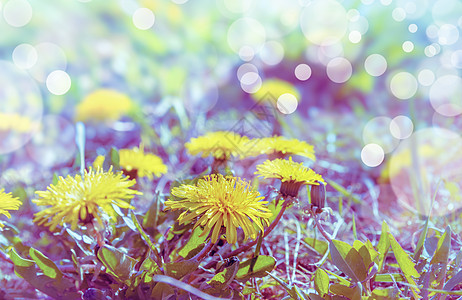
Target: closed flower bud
point(318, 194)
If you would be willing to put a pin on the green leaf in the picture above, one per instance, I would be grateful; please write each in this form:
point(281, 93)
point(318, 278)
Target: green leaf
point(313, 296)
point(263, 264)
point(406, 264)
point(290, 291)
point(453, 282)
point(352, 293)
point(344, 191)
point(321, 282)
point(115, 158)
point(374, 254)
point(194, 244)
point(348, 260)
point(364, 252)
point(388, 277)
point(384, 245)
point(355, 233)
point(222, 279)
point(319, 245)
point(117, 263)
point(179, 269)
point(385, 293)
point(45, 264)
point(442, 250)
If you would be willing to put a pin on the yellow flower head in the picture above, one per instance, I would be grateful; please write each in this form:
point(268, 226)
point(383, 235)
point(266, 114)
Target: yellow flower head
point(220, 144)
point(7, 202)
point(221, 201)
point(16, 122)
point(82, 198)
point(291, 174)
point(275, 88)
point(281, 146)
point(144, 164)
point(104, 105)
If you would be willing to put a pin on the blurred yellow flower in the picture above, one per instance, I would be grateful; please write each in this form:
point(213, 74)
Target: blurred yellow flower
point(220, 144)
point(291, 174)
point(221, 201)
point(80, 199)
point(275, 88)
point(143, 164)
point(104, 105)
point(280, 146)
point(7, 202)
point(16, 122)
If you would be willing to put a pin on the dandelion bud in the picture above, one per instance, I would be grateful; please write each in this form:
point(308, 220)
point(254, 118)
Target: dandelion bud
point(318, 194)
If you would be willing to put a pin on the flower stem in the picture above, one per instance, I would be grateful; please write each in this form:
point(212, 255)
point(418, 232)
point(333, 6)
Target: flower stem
point(199, 256)
point(250, 244)
point(321, 229)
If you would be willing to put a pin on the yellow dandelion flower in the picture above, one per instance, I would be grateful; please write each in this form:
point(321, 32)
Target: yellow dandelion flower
point(275, 88)
point(220, 144)
point(292, 175)
point(135, 161)
point(82, 198)
point(280, 146)
point(219, 201)
point(8, 202)
point(104, 105)
point(16, 122)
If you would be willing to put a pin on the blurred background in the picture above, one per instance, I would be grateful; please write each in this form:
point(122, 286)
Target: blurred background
point(374, 85)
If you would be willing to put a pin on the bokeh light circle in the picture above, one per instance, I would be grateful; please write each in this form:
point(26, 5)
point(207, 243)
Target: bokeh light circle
point(143, 18)
point(17, 13)
point(355, 36)
point(246, 32)
point(456, 59)
point(324, 21)
point(272, 53)
point(375, 64)
point(448, 34)
point(398, 14)
point(421, 165)
point(20, 107)
point(24, 56)
point(54, 143)
point(50, 57)
point(377, 131)
point(372, 155)
point(250, 82)
point(446, 11)
point(287, 103)
point(426, 77)
point(339, 70)
point(58, 82)
point(408, 46)
point(401, 127)
point(412, 28)
point(246, 68)
point(246, 53)
point(445, 95)
point(403, 85)
point(302, 72)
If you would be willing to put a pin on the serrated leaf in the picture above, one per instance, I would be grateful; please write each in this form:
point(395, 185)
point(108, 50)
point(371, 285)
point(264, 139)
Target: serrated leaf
point(45, 264)
point(321, 282)
point(352, 293)
point(263, 264)
point(179, 269)
point(406, 264)
point(348, 260)
point(116, 262)
point(442, 249)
